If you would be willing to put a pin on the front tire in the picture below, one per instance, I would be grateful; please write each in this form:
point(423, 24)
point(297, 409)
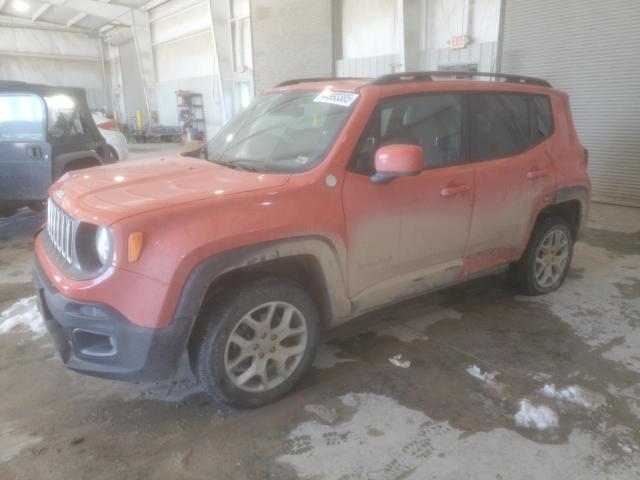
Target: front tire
point(546, 261)
point(256, 343)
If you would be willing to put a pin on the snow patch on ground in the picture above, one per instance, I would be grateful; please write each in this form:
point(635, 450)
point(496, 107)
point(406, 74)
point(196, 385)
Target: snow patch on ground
point(23, 315)
point(398, 362)
point(382, 440)
point(486, 377)
point(327, 415)
point(538, 417)
point(574, 394)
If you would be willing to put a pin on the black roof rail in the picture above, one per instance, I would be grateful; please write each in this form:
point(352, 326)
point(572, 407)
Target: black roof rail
point(318, 79)
point(427, 76)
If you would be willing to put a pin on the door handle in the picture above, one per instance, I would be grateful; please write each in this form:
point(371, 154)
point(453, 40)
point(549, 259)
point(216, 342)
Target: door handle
point(452, 191)
point(537, 173)
point(34, 151)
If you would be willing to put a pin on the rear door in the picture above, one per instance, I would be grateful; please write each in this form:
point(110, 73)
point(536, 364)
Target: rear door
point(512, 172)
point(25, 156)
point(408, 236)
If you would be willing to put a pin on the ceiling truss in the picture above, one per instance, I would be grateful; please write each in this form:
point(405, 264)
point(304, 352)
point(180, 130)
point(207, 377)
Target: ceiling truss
point(111, 15)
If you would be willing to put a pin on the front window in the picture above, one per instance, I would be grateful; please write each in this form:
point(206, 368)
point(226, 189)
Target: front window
point(21, 118)
point(283, 132)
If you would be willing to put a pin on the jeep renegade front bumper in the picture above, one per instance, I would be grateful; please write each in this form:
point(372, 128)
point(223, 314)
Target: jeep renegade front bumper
point(95, 339)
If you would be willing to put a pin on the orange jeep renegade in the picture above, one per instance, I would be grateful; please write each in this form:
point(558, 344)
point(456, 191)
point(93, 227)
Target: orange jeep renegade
point(324, 199)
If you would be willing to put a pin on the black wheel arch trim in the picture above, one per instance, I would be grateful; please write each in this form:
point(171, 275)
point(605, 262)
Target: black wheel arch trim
point(579, 193)
point(205, 273)
point(62, 161)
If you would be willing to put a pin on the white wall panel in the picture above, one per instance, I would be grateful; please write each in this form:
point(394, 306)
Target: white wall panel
point(53, 58)
point(446, 19)
point(187, 64)
point(45, 42)
point(371, 28)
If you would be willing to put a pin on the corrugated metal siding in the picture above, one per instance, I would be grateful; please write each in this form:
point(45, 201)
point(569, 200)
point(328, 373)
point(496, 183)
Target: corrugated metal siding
point(591, 50)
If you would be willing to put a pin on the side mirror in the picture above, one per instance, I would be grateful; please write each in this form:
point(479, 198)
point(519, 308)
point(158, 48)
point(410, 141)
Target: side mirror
point(398, 161)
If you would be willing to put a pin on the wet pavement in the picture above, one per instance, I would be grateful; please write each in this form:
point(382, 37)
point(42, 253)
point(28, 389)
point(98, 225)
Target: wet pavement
point(485, 384)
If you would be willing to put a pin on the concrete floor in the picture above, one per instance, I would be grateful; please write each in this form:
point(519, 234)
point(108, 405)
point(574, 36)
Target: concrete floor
point(496, 387)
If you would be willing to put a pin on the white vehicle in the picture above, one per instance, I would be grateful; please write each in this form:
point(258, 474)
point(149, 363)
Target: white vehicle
point(115, 139)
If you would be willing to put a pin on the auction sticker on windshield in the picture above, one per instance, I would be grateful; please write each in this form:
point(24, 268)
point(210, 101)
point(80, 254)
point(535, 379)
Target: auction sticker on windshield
point(336, 97)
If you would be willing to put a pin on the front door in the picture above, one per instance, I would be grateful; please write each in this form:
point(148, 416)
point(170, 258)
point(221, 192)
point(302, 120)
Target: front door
point(409, 235)
point(25, 156)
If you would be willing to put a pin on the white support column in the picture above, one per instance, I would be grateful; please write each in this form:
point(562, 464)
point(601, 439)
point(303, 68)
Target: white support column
point(144, 52)
point(413, 34)
point(223, 52)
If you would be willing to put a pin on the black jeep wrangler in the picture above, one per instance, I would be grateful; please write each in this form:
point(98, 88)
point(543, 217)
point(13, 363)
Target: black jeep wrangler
point(44, 132)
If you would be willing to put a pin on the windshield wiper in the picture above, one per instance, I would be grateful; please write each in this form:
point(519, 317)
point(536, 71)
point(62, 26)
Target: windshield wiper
point(236, 165)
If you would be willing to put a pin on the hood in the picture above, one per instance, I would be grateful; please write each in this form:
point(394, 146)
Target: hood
point(112, 192)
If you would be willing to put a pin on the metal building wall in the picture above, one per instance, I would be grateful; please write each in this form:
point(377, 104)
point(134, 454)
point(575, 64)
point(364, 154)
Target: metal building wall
point(291, 39)
point(591, 50)
point(184, 59)
point(53, 58)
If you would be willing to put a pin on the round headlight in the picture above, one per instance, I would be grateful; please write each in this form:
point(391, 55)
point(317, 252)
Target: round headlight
point(103, 244)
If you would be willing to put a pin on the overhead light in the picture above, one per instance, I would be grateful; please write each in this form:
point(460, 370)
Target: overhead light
point(21, 6)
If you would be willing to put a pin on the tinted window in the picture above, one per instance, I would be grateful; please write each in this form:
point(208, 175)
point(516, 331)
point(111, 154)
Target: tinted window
point(542, 119)
point(21, 118)
point(432, 121)
point(499, 125)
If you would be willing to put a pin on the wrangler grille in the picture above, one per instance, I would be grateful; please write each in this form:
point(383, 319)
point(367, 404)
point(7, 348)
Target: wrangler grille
point(61, 228)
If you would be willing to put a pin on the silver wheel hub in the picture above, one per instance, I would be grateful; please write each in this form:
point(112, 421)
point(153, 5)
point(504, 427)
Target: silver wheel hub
point(265, 347)
point(551, 258)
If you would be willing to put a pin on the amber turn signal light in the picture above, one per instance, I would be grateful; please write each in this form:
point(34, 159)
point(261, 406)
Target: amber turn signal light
point(136, 240)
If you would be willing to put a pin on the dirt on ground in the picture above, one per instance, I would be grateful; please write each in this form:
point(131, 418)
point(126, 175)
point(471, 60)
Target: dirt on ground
point(471, 382)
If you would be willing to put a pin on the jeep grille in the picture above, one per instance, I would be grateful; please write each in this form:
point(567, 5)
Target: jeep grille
point(61, 229)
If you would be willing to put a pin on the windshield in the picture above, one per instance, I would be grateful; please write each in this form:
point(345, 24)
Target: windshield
point(282, 132)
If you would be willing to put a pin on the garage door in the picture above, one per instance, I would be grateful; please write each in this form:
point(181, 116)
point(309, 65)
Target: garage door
point(591, 50)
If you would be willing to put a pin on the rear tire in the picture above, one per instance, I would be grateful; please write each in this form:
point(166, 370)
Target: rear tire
point(546, 261)
point(256, 343)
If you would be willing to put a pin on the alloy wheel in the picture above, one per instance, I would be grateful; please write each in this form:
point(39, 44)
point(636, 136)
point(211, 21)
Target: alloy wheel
point(551, 258)
point(265, 347)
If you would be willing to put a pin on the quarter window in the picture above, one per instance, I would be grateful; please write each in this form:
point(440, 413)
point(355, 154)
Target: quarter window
point(499, 125)
point(433, 121)
point(21, 118)
point(542, 119)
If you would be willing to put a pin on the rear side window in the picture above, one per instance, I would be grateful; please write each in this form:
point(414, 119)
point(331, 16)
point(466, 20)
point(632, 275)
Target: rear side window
point(433, 121)
point(21, 118)
point(499, 125)
point(542, 120)
point(67, 120)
